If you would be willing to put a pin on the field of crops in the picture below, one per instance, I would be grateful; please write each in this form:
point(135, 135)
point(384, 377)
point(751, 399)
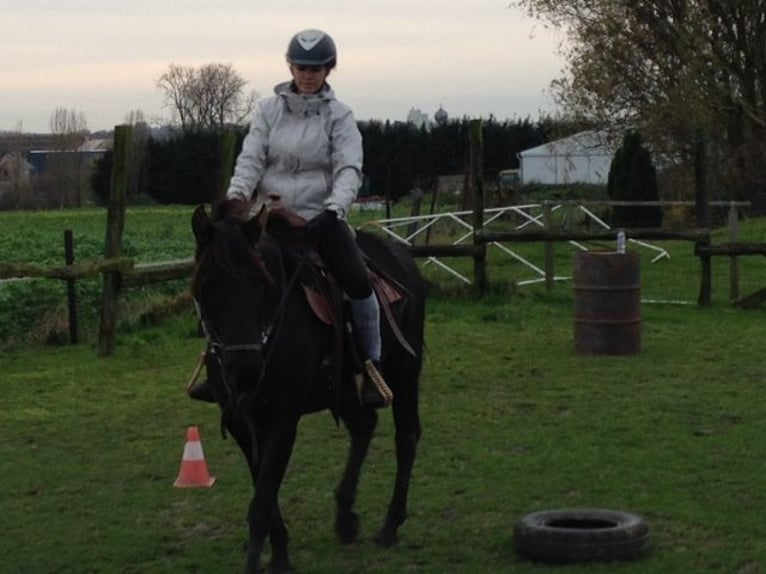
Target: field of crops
point(34, 311)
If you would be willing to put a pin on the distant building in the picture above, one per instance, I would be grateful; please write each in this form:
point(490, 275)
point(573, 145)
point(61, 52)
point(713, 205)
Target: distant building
point(417, 118)
point(88, 152)
point(441, 116)
point(584, 157)
point(14, 169)
point(15, 179)
point(96, 145)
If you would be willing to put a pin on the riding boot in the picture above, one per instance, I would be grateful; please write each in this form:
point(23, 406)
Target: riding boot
point(201, 391)
point(371, 387)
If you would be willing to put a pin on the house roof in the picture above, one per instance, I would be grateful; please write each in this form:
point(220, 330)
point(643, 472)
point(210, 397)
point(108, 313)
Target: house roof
point(96, 145)
point(586, 143)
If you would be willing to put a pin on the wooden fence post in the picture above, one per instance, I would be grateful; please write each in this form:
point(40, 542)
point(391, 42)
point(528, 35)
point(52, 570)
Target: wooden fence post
point(477, 169)
point(115, 225)
point(548, 222)
point(71, 292)
point(703, 217)
point(733, 260)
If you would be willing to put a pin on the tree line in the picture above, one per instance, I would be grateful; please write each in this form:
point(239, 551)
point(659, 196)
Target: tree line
point(186, 166)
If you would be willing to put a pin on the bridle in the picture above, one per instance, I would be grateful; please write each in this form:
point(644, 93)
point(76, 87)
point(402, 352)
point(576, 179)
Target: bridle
point(261, 346)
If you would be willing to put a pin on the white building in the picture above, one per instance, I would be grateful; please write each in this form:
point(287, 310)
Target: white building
point(417, 118)
point(584, 157)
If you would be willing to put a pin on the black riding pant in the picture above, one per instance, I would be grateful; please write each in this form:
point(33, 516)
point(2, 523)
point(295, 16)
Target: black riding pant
point(338, 248)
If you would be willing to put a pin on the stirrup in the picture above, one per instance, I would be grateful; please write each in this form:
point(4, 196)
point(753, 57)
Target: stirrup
point(372, 389)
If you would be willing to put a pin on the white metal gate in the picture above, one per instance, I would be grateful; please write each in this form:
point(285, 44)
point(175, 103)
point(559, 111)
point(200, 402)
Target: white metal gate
point(409, 229)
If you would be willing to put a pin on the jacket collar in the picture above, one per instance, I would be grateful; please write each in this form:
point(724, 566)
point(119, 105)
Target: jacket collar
point(303, 105)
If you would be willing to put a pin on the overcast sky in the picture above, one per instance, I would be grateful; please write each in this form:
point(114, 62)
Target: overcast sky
point(103, 57)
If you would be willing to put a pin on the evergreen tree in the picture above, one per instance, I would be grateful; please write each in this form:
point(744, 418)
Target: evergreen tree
point(184, 169)
point(398, 157)
point(632, 177)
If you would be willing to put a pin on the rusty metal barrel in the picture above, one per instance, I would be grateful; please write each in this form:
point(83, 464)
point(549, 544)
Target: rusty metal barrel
point(607, 303)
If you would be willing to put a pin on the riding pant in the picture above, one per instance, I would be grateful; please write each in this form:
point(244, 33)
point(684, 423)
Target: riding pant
point(342, 255)
point(339, 250)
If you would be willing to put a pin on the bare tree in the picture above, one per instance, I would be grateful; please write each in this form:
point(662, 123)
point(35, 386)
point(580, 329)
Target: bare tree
point(67, 171)
point(177, 85)
point(209, 97)
point(69, 126)
point(138, 153)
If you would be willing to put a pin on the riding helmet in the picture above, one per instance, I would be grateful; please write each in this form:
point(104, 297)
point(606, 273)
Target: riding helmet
point(312, 48)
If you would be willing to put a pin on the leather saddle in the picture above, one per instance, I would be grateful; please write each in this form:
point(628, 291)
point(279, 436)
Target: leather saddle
point(320, 288)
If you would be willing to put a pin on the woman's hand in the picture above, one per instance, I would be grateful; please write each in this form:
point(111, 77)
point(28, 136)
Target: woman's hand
point(318, 225)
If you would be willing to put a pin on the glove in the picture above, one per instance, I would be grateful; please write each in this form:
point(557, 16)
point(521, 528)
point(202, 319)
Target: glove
point(235, 205)
point(319, 225)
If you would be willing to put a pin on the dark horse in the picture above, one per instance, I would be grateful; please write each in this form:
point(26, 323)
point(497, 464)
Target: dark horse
point(271, 354)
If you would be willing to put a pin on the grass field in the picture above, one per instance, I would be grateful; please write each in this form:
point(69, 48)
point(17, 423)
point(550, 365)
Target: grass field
point(514, 421)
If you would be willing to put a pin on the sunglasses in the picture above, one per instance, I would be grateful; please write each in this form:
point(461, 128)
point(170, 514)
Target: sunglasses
point(313, 69)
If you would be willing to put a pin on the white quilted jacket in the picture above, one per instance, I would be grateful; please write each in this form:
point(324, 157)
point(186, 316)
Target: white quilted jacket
point(305, 149)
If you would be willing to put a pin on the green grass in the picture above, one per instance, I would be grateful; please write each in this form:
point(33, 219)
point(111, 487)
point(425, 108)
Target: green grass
point(514, 421)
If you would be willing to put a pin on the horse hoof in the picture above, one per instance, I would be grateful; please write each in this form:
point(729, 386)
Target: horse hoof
point(347, 528)
point(386, 538)
point(280, 569)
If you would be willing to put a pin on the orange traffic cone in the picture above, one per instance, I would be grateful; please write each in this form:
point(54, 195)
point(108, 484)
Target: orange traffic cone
point(193, 471)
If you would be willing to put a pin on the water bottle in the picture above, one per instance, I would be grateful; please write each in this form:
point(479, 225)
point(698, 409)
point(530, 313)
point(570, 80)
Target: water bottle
point(621, 241)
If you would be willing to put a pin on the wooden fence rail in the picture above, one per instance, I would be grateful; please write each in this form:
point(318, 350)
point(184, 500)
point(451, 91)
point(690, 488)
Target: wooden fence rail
point(149, 273)
point(74, 271)
point(730, 249)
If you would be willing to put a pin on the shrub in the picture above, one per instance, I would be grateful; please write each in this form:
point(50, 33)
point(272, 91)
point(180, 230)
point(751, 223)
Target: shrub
point(632, 177)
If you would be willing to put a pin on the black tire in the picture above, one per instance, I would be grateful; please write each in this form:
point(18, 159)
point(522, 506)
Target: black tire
point(581, 535)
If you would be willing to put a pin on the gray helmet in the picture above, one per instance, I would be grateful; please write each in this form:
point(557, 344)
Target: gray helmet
point(312, 48)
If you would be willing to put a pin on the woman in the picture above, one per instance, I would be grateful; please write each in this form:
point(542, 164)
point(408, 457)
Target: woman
point(305, 148)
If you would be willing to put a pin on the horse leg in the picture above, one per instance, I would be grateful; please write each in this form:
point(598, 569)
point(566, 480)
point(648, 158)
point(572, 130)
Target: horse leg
point(280, 562)
point(407, 423)
point(361, 424)
point(264, 516)
point(278, 535)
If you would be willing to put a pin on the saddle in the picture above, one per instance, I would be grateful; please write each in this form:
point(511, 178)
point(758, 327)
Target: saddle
point(324, 295)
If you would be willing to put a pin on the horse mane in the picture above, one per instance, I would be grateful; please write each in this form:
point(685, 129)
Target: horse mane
point(227, 248)
point(231, 209)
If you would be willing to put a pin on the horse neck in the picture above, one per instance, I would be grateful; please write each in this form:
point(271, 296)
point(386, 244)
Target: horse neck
point(281, 260)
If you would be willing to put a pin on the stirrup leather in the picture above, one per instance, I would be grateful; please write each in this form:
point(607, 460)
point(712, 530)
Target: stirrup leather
point(197, 371)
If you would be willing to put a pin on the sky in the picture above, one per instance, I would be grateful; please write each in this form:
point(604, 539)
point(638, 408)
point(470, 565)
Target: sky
point(103, 57)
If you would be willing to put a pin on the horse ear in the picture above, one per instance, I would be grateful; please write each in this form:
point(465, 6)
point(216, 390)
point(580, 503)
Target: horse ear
point(200, 223)
point(255, 227)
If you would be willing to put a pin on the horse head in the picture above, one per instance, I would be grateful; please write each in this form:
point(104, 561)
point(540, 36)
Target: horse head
point(233, 288)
